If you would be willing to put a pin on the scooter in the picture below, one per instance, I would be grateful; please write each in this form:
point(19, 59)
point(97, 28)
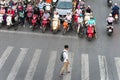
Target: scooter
point(116, 17)
point(109, 3)
point(55, 25)
point(66, 27)
point(44, 24)
point(109, 30)
point(9, 21)
point(90, 32)
point(80, 30)
point(34, 22)
point(1, 20)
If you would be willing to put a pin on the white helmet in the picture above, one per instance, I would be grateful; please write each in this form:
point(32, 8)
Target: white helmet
point(79, 0)
point(110, 14)
point(89, 6)
point(115, 3)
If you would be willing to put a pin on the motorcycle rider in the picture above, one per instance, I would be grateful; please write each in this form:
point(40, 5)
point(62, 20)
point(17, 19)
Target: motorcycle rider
point(2, 2)
point(110, 20)
point(88, 9)
point(115, 10)
point(69, 18)
point(56, 17)
point(11, 3)
point(36, 10)
point(41, 5)
point(78, 10)
point(81, 3)
point(46, 15)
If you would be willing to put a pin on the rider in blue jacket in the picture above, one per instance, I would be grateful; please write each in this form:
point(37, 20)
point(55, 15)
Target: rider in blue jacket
point(115, 9)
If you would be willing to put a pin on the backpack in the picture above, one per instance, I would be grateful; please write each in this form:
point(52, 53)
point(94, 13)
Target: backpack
point(61, 56)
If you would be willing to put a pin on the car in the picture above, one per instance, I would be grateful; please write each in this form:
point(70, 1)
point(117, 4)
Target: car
point(64, 6)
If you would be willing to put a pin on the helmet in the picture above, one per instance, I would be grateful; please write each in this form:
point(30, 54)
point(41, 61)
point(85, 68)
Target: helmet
point(110, 14)
point(115, 4)
point(89, 6)
point(79, 0)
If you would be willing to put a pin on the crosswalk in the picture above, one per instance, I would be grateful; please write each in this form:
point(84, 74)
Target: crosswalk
point(51, 64)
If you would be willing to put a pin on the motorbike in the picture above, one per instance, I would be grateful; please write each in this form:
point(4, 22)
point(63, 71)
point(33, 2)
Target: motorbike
point(55, 25)
point(109, 3)
point(9, 21)
point(90, 32)
point(66, 26)
point(1, 20)
point(116, 17)
point(41, 13)
point(109, 30)
point(29, 13)
point(80, 30)
point(34, 22)
point(44, 24)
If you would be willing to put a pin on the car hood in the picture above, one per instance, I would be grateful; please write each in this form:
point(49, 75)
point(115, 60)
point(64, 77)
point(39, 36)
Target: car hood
point(63, 11)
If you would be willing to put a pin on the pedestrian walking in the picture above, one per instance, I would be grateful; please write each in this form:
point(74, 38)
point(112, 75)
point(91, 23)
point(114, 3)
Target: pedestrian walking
point(65, 61)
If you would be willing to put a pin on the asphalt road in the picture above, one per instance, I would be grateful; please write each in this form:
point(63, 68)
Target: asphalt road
point(39, 57)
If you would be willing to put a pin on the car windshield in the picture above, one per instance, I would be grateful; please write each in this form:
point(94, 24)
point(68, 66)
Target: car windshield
point(64, 5)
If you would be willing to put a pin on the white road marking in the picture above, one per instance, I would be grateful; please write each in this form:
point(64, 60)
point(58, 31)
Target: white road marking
point(5, 56)
point(84, 67)
point(33, 65)
point(50, 66)
point(68, 76)
point(17, 64)
point(117, 61)
point(38, 34)
point(103, 68)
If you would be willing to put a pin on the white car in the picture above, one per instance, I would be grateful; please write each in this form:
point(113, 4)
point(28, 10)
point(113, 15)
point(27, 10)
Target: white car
point(64, 6)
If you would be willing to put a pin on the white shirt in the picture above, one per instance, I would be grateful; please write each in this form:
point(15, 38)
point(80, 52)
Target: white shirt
point(65, 55)
point(79, 11)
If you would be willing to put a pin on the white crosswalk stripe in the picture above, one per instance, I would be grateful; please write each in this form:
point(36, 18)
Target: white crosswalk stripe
point(117, 61)
point(5, 56)
point(68, 76)
point(50, 66)
point(103, 68)
point(84, 67)
point(17, 64)
point(33, 65)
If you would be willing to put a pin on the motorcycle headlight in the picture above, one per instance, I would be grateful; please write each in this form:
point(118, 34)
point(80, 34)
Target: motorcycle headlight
point(110, 30)
point(55, 27)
